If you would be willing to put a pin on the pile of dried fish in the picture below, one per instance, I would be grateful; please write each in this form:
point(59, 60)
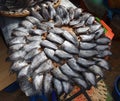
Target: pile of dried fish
point(46, 56)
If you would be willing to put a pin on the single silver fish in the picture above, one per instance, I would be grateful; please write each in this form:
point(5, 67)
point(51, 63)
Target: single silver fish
point(99, 33)
point(90, 20)
point(62, 54)
point(87, 37)
point(77, 13)
point(96, 69)
point(49, 44)
point(58, 86)
point(27, 24)
point(20, 33)
point(74, 22)
point(68, 71)
point(82, 30)
point(86, 45)
point(55, 38)
point(94, 28)
point(87, 53)
point(44, 67)
point(71, 13)
point(21, 29)
point(103, 41)
point(85, 16)
point(102, 54)
point(16, 47)
point(80, 24)
point(73, 65)
point(58, 21)
point(37, 32)
point(85, 62)
point(56, 30)
point(37, 60)
point(32, 19)
point(102, 47)
point(34, 38)
point(59, 75)
point(69, 47)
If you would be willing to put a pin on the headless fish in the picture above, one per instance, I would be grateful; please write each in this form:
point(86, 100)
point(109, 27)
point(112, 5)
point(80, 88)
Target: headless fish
point(59, 75)
point(32, 19)
point(16, 47)
point(103, 41)
point(55, 38)
point(46, 66)
point(23, 72)
point(20, 33)
point(85, 16)
point(49, 24)
point(80, 82)
point(94, 28)
point(99, 33)
point(47, 85)
point(71, 13)
point(31, 54)
point(90, 20)
point(68, 71)
point(49, 44)
point(18, 65)
point(56, 30)
point(58, 86)
point(78, 12)
point(27, 24)
point(58, 20)
point(82, 30)
point(67, 87)
point(87, 53)
point(90, 77)
point(31, 45)
point(43, 26)
point(17, 40)
point(21, 29)
point(37, 32)
point(17, 55)
point(102, 47)
point(104, 53)
point(37, 82)
point(103, 63)
point(34, 38)
point(86, 45)
point(69, 47)
point(73, 65)
point(88, 37)
point(50, 53)
point(96, 69)
point(38, 59)
point(80, 24)
point(84, 62)
point(62, 54)
point(74, 22)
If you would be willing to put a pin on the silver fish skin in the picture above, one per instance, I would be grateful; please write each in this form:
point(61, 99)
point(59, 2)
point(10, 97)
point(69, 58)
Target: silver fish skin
point(59, 75)
point(62, 54)
point(80, 82)
point(85, 16)
point(73, 65)
point(49, 44)
point(77, 13)
point(90, 77)
point(102, 47)
point(87, 53)
point(74, 22)
point(37, 32)
point(69, 47)
point(103, 63)
point(32, 19)
point(70, 37)
point(58, 21)
point(36, 15)
point(17, 55)
point(47, 85)
point(94, 28)
point(18, 65)
point(19, 33)
point(49, 24)
point(80, 24)
point(68, 71)
point(37, 82)
point(16, 47)
point(38, 59)
point(56, 30)
point(27, 24)
point(82, 30)
point(103, 41)
point(99, 33)
point(51, 10)
point(55, 38)
point(44, 12)
point(44, 67)
point(50, 53)
point(104, 53)
point(31, 54)
point(90, 20)
point(43, 26)
point(86, 45)
point(31, 45)
point(34, 38)
point(85, 62)
point(67, 87)
point(21, 29)
point(17, 40)
point(96, 69)
point(58, 86)
point(71, 13)
point(88, 37)
point(23, 72)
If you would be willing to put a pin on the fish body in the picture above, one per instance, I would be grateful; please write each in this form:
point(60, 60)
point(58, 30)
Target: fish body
point(86, 45)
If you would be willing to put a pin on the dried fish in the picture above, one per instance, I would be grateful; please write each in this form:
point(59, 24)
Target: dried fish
point(88, 37)
point(86, 45)
point(103, 41)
